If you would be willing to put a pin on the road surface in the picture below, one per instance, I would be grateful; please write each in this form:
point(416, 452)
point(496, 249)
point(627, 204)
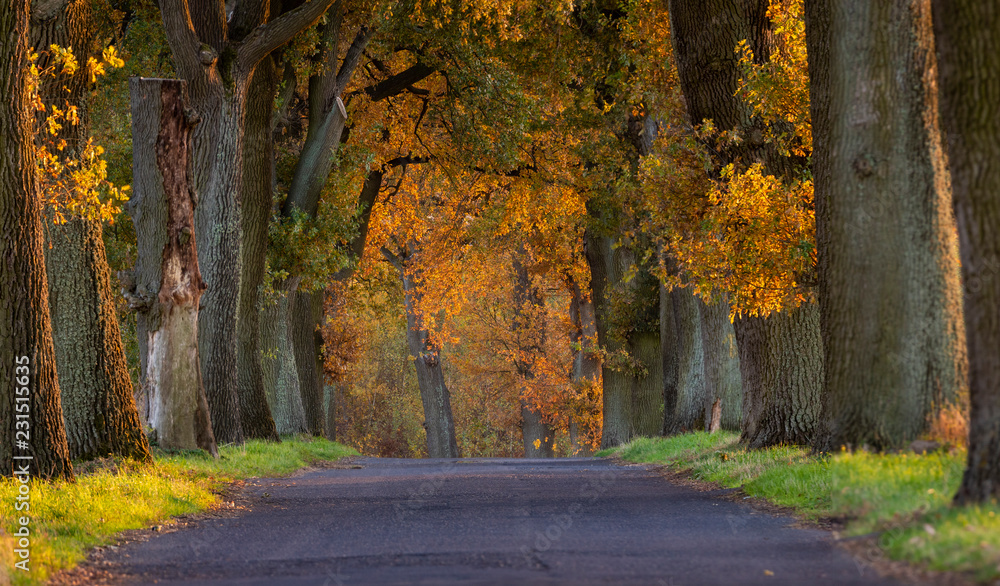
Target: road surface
point(488, 521)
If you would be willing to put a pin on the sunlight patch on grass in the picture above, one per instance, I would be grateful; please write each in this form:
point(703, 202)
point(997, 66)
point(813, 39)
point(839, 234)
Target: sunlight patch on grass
point(67, 518)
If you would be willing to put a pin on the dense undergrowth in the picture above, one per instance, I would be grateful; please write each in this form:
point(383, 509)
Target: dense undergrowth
point(904, 499)
point(109, 497)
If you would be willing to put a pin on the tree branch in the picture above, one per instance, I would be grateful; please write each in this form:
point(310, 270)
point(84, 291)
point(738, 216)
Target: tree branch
point(183, 40)
point(277, 32)
point(399, 82)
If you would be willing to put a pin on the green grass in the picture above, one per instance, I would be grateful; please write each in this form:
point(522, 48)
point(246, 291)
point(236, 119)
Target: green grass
point(67, 518)
point(904, 497)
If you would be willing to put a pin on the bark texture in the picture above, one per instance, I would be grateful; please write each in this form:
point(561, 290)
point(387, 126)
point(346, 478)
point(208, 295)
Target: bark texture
point(258, 184)
point(280, 378)
point(586, 360)
point(97, 401)
point(166, 284)
point(723, 360)
point(98, 405)
point(27, 358)
point(705, 35)
point(217, 50)
point(783, 398)
point(307, 342)
point(629, 333)
point(889, 290)
point(688, 413)
point(968, 41)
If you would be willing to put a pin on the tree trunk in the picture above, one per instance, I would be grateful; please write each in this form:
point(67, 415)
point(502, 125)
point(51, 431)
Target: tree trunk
point(97, 401)
point(217, 50)
point(647, 389)
point(586, 360)
point(890, 298)
point(617, 384)
point(426, 353)
point(98, 406)
point(167, 283)
point(528, 324)
point(722, 366)
point(781, 358)
point(688, 413)
point(258, 183)
point(705, 35)
point(307, 342)
point(968, 40)
point(670, 359)
point(29, 387)
point(280, 377)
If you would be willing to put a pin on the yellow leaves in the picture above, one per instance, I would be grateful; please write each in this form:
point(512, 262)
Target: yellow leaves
point(72, 177)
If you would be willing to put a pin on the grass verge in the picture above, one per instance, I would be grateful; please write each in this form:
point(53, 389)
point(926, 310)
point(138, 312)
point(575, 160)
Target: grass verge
point(67, 518)
point(904, 498)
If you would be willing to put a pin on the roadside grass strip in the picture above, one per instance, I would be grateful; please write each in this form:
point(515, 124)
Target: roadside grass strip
point(903, 498)
point(108, 497)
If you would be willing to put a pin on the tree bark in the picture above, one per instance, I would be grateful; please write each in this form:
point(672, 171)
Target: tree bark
point(705, 35)
point(307, 342)
point(889, 290)
point(258, 184)
point(968, 41)
point(688, 413)
point(722, 365)
point(167, 283)
point(439, 422)
point(280, 377)
point(218, 61)
point(98, 406)
point(97, 402)
point(782, 400)
point(29, 387)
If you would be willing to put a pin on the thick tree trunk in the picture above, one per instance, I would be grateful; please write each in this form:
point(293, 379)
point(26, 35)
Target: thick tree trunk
point(217, 50)
point(280, 377)
point(98, 405)
point(528, 324)
point(617, 384)
point(782, 400)
point(29, 388)
point(97, 401)
point(258, 182)
point(167, 283)
point(307, 342)
point(722, 366)
point(968, 40)
point(647, 389)
point(890, 297)
point(705, 35)
point(688, 413)
point(670, 359)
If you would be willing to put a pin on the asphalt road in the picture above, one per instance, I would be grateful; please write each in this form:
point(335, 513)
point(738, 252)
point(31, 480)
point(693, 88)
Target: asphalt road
point(488, 521)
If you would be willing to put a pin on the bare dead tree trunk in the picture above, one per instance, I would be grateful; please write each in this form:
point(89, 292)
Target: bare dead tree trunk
point(968, 41)
point(167, 282)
